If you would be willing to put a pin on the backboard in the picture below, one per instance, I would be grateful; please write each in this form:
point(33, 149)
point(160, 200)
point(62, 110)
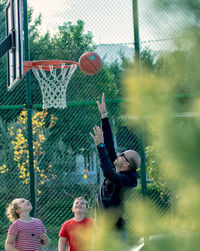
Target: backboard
point(15, 54)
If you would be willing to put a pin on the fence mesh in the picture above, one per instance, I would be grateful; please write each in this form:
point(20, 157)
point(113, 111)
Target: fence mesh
point(65, 158)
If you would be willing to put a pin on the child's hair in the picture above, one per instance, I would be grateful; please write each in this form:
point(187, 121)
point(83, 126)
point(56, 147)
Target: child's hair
point(11, 211)
point(81, 198)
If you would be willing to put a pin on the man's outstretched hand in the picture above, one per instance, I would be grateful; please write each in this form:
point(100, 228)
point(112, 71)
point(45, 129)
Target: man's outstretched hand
point(102, 105)
point(98, 135)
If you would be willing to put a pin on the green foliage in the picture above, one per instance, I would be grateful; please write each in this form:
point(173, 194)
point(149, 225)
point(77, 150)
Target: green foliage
point(128, 138)
point(69, 136)
point(161, 197)
point(159, 180)
point(2, 4)
point(7, 169)
point(72, 40)
point(148, 59)
point(173, 153)
point(67, 44)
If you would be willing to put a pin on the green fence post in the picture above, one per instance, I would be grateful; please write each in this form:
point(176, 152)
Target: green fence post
point(142, 146)
point(29, 112)
point(136, 30)
point(137, 62)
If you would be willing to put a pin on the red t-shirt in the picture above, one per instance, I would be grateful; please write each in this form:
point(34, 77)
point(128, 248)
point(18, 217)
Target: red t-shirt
point(27, 234)
point(78, 234)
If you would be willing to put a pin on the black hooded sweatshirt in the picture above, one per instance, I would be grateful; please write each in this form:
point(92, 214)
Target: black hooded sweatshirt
point(115, 184)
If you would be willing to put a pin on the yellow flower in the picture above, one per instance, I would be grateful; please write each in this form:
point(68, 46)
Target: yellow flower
point(11, 133)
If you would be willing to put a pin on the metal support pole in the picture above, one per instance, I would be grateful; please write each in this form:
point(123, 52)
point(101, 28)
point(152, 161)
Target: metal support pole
point(6, 45)
point(137, 64)
point(142, 145)
point(29, 112)
point(136, 31)
point(143, 166)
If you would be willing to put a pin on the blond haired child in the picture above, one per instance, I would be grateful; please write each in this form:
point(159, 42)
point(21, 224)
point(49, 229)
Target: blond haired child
point(25, 233)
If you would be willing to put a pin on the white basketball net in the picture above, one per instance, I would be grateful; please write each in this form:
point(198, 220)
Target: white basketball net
point(54, 84)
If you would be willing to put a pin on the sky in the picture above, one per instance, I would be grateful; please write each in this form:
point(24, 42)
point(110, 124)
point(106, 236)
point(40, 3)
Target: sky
point(110, 21)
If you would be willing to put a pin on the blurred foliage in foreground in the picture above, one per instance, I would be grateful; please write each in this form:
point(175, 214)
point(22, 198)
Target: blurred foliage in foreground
point(175, 138)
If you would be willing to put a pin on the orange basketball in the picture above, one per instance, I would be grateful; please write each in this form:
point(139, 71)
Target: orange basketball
point(90, 63)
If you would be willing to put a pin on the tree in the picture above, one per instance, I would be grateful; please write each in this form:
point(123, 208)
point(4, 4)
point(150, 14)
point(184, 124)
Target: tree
point(18, 133)
point(7, 169)
point(2, 20)
point(153, 170)
point(69, 43)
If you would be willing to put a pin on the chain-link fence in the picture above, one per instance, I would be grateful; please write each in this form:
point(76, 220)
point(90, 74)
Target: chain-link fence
point(65, 159)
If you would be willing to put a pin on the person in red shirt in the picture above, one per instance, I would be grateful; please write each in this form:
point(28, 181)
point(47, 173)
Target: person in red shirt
point(77, 232)
point(25, 233)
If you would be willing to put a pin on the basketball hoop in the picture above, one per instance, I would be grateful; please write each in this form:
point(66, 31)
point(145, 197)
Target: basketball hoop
point(53, 77)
